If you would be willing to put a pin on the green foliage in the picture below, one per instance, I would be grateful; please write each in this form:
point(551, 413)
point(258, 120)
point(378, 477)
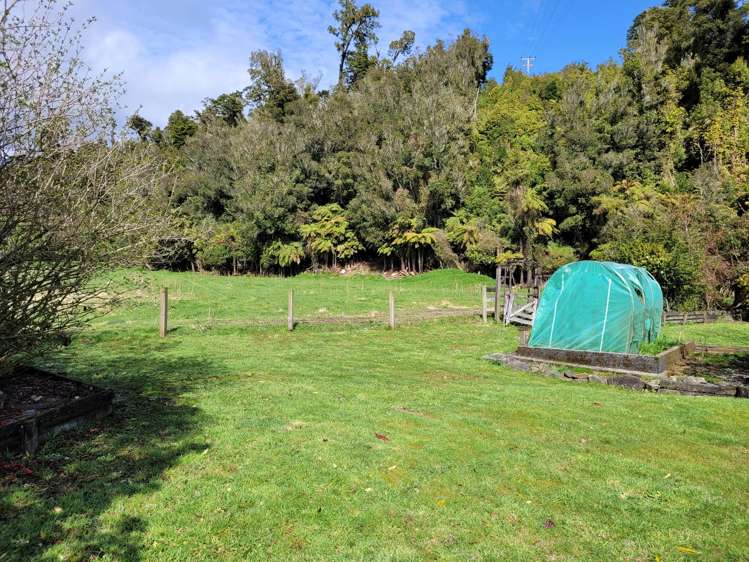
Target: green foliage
point(283, 255)
point(355, 31)
point(270, 93)
point(741, 300)
point(416, 159)
point(480, 245)
point(140, 126)
point(675, 269)
point(329, 235)
point(222, 246)
point(555, 255)
point(402, 46)
point(179, 128)
point(228, 108)
point(659, 345)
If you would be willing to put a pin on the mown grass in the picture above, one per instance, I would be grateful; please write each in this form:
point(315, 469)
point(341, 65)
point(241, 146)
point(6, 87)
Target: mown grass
point(362, 443)
point(204, 300)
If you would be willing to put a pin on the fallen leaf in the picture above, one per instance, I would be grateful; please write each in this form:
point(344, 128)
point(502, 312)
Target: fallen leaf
point(382, 437)
point(440, 503)
point(597, 404)
point(57, 509)
point(687, 550)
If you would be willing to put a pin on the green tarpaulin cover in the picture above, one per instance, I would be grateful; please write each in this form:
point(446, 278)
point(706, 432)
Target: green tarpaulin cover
point(598, 306)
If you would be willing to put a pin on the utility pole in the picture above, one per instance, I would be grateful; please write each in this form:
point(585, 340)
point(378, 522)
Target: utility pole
point(528, 63)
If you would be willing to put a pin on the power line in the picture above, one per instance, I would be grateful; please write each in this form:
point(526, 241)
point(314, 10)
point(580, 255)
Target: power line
point(548, 26)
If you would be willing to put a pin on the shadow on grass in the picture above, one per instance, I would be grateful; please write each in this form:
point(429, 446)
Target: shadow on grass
point(52, 505)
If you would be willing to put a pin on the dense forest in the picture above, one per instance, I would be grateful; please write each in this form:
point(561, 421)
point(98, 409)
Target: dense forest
point(416, 159)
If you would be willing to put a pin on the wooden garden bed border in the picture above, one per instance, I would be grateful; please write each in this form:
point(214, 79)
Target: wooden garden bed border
point(620, 362)
point(29, 431)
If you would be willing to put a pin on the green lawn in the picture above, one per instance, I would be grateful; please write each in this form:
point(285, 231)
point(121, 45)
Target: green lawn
point(204, 301)
point(230, 442)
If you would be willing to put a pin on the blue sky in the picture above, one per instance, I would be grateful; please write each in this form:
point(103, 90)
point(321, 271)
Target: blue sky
point(174, 53)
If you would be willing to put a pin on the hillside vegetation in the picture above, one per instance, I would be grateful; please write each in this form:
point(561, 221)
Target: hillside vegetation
point(416, 159)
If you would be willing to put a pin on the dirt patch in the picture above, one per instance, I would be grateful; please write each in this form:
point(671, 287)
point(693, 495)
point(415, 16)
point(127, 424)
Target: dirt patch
point(726, 377)
point(293, 425)
point(37, 405)
point(724, 368)
point(411, 411)
point(28, 392)
point(441, 376)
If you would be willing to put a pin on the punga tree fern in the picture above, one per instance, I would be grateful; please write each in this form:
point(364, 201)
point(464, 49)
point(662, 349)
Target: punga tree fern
point(329, 235)
point(527, 209)
point(282, 254)
point(409, 240)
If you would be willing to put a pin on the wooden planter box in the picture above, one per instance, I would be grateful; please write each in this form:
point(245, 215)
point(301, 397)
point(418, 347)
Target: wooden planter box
point(627, 362)
point(34, 426)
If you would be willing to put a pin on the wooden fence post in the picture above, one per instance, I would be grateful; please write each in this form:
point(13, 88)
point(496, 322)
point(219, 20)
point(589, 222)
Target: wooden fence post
point(391, 310)
point(483, 303)
point(164, 313)
point(290, 316)
point(30, 432)
point(523, 336)
point(497, 292)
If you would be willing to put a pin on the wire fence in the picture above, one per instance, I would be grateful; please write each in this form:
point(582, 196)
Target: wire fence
point(212, 301)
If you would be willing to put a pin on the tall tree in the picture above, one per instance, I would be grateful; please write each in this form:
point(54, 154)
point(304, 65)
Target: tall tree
point(355, 32)
point(228, 108)
point(401, 46)
point(140, 126)
point(179, 128)
point(270, 93)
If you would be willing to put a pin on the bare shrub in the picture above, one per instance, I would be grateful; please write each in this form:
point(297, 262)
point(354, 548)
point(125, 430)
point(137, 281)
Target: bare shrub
point(74, 199)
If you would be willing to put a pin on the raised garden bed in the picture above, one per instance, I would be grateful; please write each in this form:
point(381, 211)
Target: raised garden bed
point(685, 373)
point(618, 362)
point(36, 405)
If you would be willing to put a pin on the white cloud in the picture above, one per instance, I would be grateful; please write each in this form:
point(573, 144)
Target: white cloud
point(174, 54)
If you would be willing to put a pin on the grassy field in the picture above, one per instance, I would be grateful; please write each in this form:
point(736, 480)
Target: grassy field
point(230, 442)
point(205, 301)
